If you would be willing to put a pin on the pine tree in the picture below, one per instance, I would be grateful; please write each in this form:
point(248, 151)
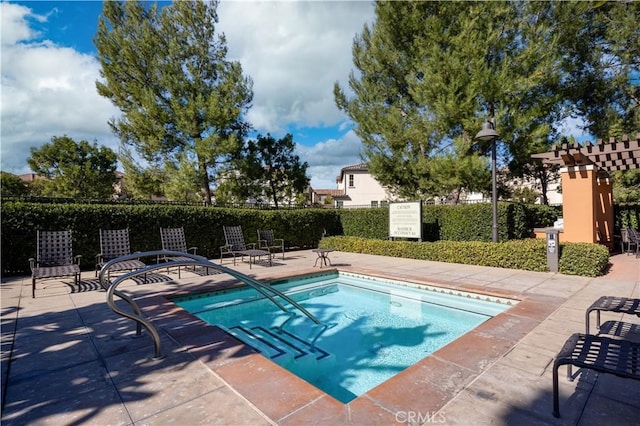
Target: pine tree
point(429, 73)
point(182, 101)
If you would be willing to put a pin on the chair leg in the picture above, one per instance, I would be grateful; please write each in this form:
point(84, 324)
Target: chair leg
point(556, 398)
point(33, 288)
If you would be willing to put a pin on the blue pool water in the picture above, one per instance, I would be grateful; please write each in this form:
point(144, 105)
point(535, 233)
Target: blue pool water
point(376, 327)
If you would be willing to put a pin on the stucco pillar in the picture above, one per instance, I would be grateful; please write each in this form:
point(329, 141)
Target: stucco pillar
point(587, 205)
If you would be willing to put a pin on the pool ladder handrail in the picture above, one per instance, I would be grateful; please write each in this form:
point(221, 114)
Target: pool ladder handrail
point(196, 260)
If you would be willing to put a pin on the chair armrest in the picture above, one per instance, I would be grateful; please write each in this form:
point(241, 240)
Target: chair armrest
point(262, 243)
point(194, 249)
point(279, 239)
point(252, 245)
point(32, 263)
point(77, 259)
point(225, 248)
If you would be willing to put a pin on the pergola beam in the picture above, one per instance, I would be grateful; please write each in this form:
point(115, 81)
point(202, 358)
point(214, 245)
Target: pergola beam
point(611, 156)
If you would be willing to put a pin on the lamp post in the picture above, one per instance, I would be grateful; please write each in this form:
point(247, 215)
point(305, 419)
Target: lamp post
point(489, 134)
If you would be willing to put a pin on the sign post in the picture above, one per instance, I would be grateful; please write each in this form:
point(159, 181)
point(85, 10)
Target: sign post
point(405, 220)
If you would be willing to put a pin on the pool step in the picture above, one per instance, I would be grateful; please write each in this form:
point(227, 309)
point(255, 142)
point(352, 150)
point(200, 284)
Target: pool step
point(278, 345)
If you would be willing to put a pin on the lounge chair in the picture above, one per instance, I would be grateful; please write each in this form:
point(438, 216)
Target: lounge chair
point(173, 239)
point(115, 243)
point(267, 241)
point(599, 353)
point(633, 236)
point(622, 305)
point(54, 258)
point(235, 245)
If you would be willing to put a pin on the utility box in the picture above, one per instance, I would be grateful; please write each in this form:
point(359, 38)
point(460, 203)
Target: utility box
point(553, 249)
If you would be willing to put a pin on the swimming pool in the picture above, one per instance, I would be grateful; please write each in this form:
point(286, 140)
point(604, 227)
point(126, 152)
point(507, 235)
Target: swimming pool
point(372, 328)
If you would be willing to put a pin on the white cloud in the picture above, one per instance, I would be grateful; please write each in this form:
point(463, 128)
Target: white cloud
point(47, 90)
point(294, 52)
point(328, 157)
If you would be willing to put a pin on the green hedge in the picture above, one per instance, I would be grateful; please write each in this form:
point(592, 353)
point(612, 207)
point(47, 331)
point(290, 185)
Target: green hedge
point(472, 222)
point(202, 225)
point(626, 215)
point(529, 254)
point(299, 228)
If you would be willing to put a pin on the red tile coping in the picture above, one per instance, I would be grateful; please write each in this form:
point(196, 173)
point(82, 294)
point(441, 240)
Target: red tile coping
point(424, 387)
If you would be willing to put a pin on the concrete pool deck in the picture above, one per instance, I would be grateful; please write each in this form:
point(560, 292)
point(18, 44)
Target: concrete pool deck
point(68, 359)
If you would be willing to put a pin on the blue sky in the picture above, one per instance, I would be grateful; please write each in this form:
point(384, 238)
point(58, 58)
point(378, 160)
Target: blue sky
point(293, 50)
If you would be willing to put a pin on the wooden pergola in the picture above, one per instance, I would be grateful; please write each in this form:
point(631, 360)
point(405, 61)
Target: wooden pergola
point(587, 202)
point(611, 156)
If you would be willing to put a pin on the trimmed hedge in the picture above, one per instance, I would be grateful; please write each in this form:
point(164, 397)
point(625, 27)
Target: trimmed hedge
point(530, 254)
point(626, 215)
point(584, 259)
point(202, 226)
point(471, 222)
point(302, 228)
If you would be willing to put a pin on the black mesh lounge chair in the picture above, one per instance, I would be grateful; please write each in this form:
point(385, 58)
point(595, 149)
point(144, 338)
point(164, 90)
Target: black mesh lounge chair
point(634, 240)
point(611, 304)
point(599, 353)
point(173, 239)
point(115, 243)
point(266, 241)
point(54, 258)
point(235, 245)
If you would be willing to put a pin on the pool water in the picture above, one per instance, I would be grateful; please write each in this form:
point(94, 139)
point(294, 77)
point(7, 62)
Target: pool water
point(375, 327)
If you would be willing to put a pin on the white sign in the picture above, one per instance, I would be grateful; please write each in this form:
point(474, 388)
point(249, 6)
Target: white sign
point(405, 220)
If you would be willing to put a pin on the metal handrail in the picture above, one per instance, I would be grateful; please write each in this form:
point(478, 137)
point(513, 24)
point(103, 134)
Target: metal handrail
point(111, 288)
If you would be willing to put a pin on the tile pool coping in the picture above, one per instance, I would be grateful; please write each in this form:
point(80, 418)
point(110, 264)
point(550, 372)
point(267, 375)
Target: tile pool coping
point(424, 387)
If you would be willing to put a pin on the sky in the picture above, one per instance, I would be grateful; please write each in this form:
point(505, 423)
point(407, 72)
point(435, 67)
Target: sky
point(293, 51)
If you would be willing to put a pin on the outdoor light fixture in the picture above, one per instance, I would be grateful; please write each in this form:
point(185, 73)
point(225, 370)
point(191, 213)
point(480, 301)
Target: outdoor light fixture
point(489, 134)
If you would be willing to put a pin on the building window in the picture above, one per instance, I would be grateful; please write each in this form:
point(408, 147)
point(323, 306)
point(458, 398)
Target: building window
point(339, 204)
point(351, 185)
point(384, 204)
point(374, 204)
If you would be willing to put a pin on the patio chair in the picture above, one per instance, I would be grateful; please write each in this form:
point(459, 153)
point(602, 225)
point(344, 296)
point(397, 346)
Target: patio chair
point(54, 258)
point(173, 239)
point(115, 243)
point(266, 241)
point(603, 354)
point(624, 305)
point(234, 243)
point(634, 240)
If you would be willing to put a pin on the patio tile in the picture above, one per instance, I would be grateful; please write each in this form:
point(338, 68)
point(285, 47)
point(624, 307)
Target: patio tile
point(604, 411)
point(63, 383)
point(618, 389)
point(469, 408)
point(230, 409)
point(529, 359)
point(68, 342)
point(364, 411)
point(103, 407)
point(275, 391)
point(136, 363)
point(423, 387)
point(50, 351)
point(146, 394)
point(528, 392)
point(477, 351)
point(508, 327)
point(322, 411)
point(536, 307)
